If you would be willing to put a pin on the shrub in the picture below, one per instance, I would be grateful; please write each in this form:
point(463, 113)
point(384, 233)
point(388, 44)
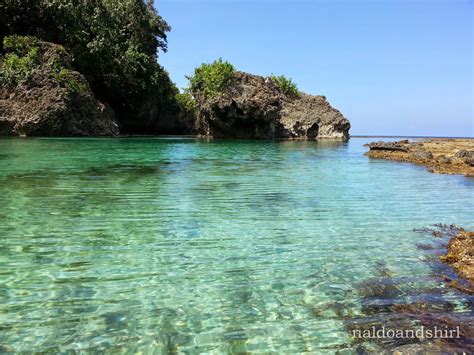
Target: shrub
point(186, 101)
point(20, 61)
point(66, 79)
point(286, 85)
point(211, 79)
point(20, 45)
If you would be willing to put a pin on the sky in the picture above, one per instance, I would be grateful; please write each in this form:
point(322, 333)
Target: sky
point(392, 67)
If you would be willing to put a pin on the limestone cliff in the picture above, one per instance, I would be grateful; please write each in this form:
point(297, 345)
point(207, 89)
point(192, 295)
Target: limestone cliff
point(254, 107)
point(47, 97)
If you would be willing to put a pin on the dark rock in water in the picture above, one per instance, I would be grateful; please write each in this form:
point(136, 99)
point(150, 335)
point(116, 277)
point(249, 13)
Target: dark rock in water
point(254, 107)
point(379, 287)
point(391, 146)
point(115, 320)
point(422, 246)
point(428, 318)
point(439, 230)
point(52, 102)
point(422, 155)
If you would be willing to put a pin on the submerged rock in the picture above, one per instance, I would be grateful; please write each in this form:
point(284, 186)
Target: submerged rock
point(53, 100)
point(406, 315)
point(254, 107)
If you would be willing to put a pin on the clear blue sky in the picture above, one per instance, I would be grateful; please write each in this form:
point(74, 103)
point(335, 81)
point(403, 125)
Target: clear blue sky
point(392, 67)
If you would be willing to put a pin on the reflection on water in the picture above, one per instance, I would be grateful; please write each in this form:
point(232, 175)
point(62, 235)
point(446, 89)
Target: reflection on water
point(180, 245)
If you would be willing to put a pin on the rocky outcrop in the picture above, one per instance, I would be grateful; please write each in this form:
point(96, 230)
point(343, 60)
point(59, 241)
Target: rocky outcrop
point(440, 155)
point(390, 146)
point(53, 100)
point(460, 255)
point(254, 107)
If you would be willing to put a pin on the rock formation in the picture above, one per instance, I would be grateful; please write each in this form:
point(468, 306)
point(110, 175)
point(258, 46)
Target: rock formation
point(389, 146)
point(440, 155)
point(460, 255)
point(54, 100)
point(254, 107)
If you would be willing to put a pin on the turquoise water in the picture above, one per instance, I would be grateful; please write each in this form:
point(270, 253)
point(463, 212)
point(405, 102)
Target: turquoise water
point(188, 246)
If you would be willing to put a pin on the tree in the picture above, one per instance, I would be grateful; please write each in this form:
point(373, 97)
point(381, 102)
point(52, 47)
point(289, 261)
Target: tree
point(115, 44)
point(211, 79)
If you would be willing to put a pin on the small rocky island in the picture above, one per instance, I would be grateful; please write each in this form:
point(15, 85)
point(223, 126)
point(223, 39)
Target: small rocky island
point(440, 155)
point(257, 107)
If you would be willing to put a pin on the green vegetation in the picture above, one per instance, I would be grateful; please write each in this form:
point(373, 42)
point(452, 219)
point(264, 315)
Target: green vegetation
point(186, 101)
point(25, 54)
point(286, 85)
point(114, 43)
point(211, 79)
point(18, 65)
point(67, 80)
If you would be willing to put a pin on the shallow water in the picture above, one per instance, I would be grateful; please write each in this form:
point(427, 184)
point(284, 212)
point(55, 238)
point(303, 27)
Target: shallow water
point(183, 245)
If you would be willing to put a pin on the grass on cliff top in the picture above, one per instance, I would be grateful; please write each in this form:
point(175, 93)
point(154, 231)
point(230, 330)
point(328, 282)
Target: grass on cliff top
point(25, 54)
point(286, 85)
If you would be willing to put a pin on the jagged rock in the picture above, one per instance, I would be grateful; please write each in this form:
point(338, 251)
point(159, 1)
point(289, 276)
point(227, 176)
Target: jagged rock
point(466, 156)
point(391, 146)
point(254, 107)
point(469, 161)
point(312, 117)
point(423, 155)
point(52, 102)
point(463, 153)
point(443, 159)
point(460, 254)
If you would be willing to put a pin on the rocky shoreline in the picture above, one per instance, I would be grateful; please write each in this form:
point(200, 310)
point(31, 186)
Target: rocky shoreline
point(440, 155)
point(460, 256)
